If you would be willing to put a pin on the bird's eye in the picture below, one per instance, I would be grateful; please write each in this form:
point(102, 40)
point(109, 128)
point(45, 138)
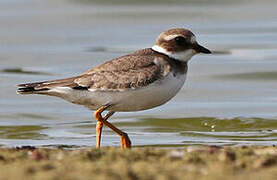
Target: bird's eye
point(180, 40)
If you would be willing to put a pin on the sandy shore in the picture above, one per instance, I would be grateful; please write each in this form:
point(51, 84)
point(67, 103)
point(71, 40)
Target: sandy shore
point(192, 162)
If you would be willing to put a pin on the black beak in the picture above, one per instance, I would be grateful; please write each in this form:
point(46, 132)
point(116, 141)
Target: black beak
point(202, 49)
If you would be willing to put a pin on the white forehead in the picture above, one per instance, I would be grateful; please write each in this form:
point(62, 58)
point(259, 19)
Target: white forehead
point(172, 36)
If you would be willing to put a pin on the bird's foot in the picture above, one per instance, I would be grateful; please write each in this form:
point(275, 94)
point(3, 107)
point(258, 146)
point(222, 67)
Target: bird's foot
point(125, 141)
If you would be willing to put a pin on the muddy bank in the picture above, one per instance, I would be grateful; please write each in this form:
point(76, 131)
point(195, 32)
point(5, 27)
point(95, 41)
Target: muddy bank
point(193, 162)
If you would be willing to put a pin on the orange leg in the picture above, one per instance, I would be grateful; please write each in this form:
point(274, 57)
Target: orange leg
point(99, 127)
point(125, 141)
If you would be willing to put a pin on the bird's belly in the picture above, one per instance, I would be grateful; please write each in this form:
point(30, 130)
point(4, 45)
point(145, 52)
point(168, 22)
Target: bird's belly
point(149, 97)
point(143, 98)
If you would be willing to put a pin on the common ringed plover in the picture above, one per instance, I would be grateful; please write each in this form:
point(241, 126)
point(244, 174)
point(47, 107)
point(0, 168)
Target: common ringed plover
point(142, 80)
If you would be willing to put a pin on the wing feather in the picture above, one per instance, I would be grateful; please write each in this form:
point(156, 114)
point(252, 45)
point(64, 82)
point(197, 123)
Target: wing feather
point(127, 72)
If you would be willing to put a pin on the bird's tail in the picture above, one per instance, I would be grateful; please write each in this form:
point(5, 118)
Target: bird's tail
point(31, 88)
point(45, 86)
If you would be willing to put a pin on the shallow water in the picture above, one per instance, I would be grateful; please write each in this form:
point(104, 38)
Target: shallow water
point(229, 97)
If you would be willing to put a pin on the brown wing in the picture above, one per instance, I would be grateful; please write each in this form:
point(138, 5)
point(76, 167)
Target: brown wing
point(131, 71)
point(136, 70)
point(136, 60)
point(114, 80)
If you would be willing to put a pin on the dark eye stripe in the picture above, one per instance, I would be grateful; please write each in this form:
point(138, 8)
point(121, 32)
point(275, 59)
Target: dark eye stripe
point(181, 41)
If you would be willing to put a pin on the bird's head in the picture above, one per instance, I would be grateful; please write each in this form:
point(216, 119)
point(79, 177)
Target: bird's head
point(178, 43)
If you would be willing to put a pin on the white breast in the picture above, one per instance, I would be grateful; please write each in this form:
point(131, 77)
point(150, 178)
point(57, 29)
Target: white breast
point(147, 97)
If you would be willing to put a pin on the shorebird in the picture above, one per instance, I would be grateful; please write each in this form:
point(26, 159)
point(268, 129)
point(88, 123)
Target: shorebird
point(142, 80)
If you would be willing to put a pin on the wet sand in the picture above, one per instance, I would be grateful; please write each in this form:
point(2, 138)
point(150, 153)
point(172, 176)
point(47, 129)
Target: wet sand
point(191, 162)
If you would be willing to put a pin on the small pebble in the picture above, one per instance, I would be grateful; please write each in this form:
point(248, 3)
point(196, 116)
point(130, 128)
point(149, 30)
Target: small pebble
point(60, 156)
point(35, 155)
point(176, 154)
point(226, 155)
point(265, 162)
